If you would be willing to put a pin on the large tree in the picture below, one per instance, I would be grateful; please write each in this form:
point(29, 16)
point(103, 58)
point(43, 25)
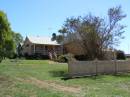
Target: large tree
point(95, 33)
point(6, 38)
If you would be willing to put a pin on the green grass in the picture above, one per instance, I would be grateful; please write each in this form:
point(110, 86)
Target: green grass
point(100, 86)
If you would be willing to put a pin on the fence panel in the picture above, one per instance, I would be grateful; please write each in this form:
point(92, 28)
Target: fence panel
point(81, 68)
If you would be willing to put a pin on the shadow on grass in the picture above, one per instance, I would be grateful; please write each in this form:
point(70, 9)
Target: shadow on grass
point(122, 75)
point(65, 76)
point(98, 77)
point(58, 73)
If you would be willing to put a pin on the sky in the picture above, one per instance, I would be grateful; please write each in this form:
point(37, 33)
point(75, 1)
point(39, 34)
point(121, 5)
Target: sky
point(44, 17)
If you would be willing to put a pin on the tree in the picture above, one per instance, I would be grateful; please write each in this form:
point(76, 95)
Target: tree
point(66, 32)
point(53, 37)
point(7, 45)
point(19, 50)
point(9, 49)
point(18, 39)
point(58, 38)
point(96, 34)
point(112, 32)
point(90, 37)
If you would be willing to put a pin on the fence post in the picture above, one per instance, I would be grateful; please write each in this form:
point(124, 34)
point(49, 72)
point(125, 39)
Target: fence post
point(96, 67)
point(115, 62)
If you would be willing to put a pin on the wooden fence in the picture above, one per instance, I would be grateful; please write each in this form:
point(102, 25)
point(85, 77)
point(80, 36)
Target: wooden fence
point(84, 68)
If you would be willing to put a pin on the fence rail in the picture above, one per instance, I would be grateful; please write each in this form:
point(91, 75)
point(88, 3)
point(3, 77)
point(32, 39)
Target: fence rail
point(83, 68)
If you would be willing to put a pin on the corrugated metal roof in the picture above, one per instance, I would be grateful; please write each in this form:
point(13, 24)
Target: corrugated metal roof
point(42, 40)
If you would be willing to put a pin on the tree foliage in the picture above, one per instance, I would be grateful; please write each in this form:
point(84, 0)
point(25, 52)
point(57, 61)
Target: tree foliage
point(120, 55)
point(19, 50)
point(8, 39)
point(17, 38)
point(95, 33)
point(6, 43)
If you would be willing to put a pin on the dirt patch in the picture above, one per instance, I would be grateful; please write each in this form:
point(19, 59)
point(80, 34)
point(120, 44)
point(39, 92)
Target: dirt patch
point(8, 96)
point(51, 62)
point(51, 85)
point(3, 79)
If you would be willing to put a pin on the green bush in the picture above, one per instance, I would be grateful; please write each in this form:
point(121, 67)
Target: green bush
point(65, 58)
point(81, 57)
point(1, 59)
point(62, 58)
point(120, 55)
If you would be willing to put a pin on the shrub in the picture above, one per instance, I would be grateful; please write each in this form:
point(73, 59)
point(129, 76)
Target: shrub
point(35, 56)
point(13, 56)
point(120, 55)
point(81, 57)
point(62, 58)
point(0, 59)
point(65, 58)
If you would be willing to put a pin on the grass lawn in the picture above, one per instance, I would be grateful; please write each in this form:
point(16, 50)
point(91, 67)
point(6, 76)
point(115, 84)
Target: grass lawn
point(42, 78)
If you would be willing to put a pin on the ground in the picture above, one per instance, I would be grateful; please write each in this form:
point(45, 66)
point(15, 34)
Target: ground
point(43, 78)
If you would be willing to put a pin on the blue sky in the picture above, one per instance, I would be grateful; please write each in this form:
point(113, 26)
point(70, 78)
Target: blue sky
point(43, 17)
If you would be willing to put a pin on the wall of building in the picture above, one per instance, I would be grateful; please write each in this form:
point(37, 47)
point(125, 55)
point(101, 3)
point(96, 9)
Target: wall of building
point(40, 49)
point(27, 47)
point(75, 48)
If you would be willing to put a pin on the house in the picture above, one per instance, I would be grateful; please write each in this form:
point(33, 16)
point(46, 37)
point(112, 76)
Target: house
point(42, 46)
point(74, 45)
